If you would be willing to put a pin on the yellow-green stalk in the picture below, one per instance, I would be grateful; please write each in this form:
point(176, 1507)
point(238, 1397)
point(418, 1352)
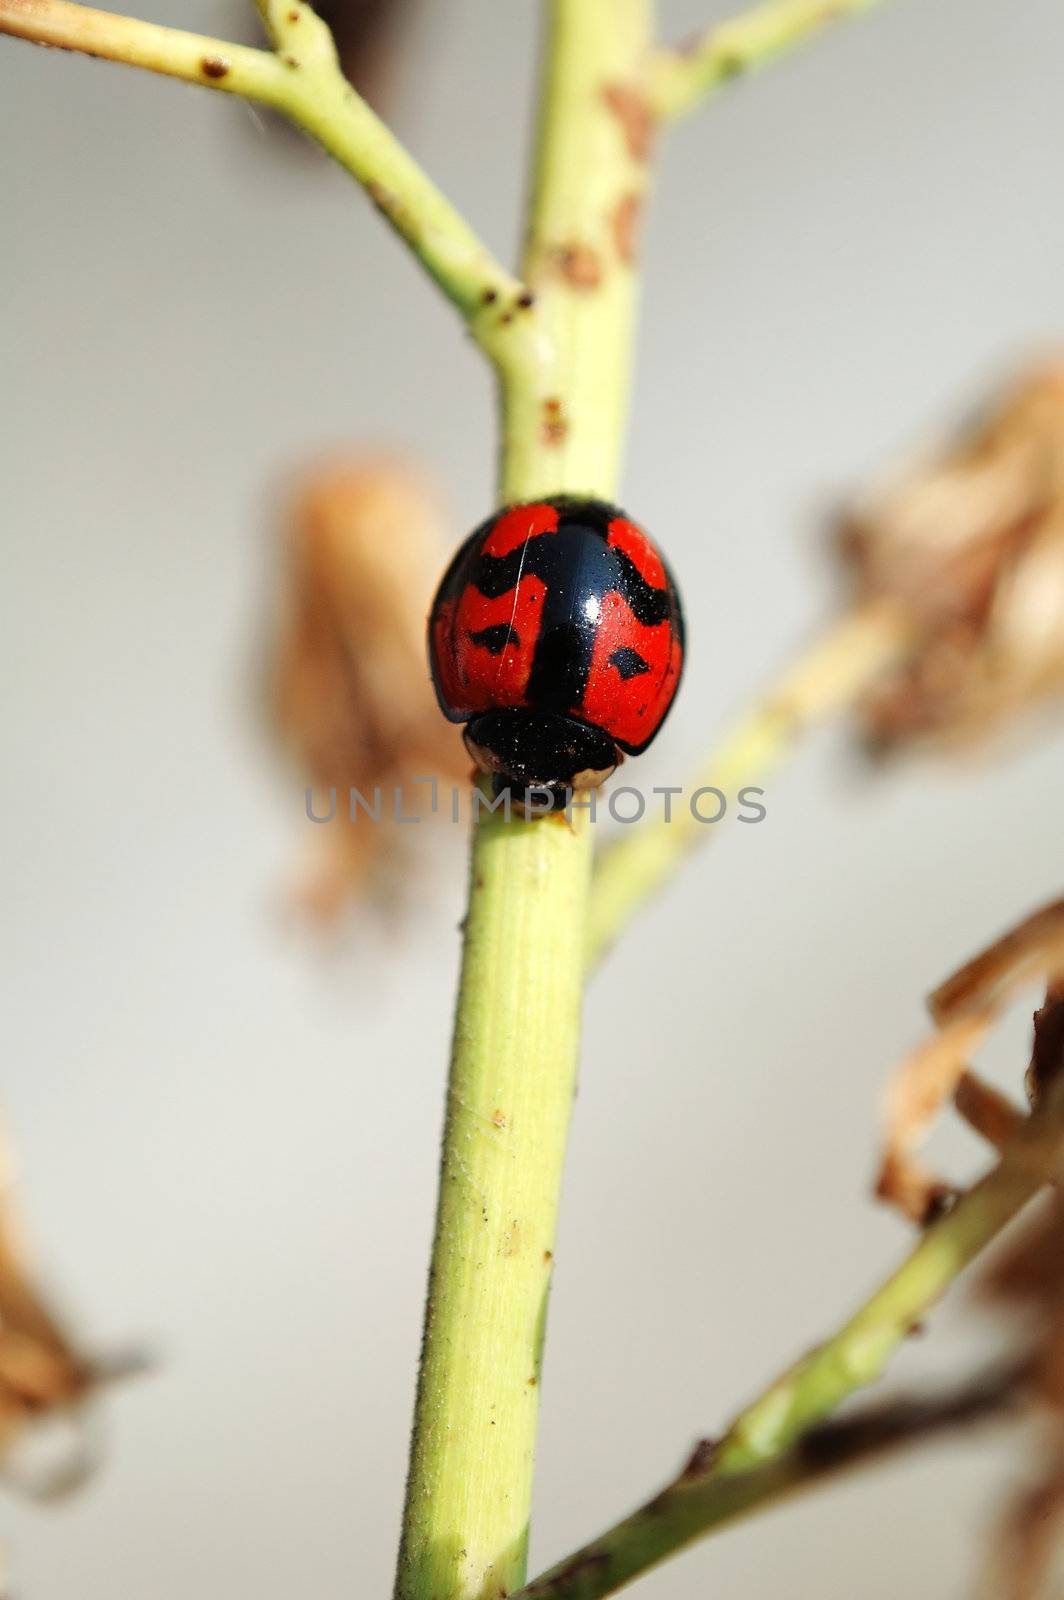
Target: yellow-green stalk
point(561, 341)
point(565, 380)
point(683, 79)
point(301, 78)
point(759, 1457)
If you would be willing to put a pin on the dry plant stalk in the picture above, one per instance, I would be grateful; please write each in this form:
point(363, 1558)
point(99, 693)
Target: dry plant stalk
point(1028, 1283)
point(964, 1008)
point(350, 689)
point(972, 545)
point(42, 1373)
point(954, 629)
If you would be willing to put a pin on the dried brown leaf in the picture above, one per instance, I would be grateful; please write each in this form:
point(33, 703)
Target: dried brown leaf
point(352, 693)
point(1030, 1271)
point(42, 1372)
point(1047, 1053)
point(1028, 1539)
point(987, 1111)
point(1033, 949)
point(973, 545)
point(964, 1008)
point(1028, 1279)
point(917, 1090)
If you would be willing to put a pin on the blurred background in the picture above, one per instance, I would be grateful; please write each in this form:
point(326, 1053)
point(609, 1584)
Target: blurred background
point(226, 1121)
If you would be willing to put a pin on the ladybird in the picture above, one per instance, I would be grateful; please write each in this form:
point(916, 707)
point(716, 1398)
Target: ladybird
point(557, 637)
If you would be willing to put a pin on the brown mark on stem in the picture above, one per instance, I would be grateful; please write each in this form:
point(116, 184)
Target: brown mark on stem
point(632, 109)
point(214, 67)
point(624, 224)
point(555, 425)
point(702, 1457)
point(389, 205)
point(578, 264)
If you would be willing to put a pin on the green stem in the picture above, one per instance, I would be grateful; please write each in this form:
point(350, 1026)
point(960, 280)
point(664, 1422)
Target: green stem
point(683, 78)
point(304, 82)
point(516, 1039)
point(858, 1353)
point(511, 1087)
point(563, 347)
point(699, 1501)
point(752, 1464)
point(565, 403)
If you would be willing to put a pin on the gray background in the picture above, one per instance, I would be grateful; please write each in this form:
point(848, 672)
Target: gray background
point(227, 1132)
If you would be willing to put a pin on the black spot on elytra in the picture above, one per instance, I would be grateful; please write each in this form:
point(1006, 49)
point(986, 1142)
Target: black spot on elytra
point(629, 663)
point(554, 558)
point(576, 565)
point(495, 639)
point(574, 562)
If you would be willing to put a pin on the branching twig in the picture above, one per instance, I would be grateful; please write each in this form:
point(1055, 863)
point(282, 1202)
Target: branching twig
point(755, 1459)
point(697, 1501)
point(561, 340)
point(828, 677)
point(302, 80)
point(683, 78)
point(753, 1462)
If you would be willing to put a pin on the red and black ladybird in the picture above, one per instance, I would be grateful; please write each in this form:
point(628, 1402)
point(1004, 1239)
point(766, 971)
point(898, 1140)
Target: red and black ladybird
point(557, 637)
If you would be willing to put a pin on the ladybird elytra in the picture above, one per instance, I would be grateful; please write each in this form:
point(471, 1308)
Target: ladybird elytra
point(557, 637)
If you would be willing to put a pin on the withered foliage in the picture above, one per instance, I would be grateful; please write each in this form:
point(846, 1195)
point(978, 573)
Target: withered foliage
point(351, 689)
point(964, 1008)
point(1047, 1055)
point(42, 1374)
point(972, 545)
point(1028, 1281)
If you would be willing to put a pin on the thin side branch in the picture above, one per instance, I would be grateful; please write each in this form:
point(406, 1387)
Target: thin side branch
point(830, 676)
point(303, 81)
point(233, 68)
point(755, 1461)
point(684, 77)
point(697, 1501)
